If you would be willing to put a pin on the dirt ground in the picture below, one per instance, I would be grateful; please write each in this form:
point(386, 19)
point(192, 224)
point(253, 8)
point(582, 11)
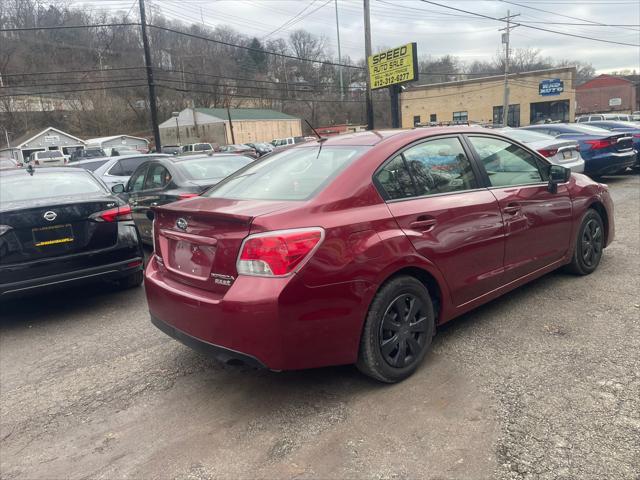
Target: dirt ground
point(543, 383)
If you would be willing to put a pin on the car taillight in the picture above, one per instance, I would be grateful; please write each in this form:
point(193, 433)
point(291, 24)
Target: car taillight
point(278, 253)
point(602, 143)
point(548, 152)
point(184, 196)
point(115, 214)
point(636, 135)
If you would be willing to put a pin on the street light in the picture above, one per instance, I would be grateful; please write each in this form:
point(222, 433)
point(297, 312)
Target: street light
point(176, 115)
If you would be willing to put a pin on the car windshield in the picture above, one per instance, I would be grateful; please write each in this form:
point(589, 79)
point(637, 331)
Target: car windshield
point(51, 154)
point(199, 147)
point(526, 136)
point(212, 167)
point(93, 153)
point(42, 184)
point(295, 174)
point(92, 166)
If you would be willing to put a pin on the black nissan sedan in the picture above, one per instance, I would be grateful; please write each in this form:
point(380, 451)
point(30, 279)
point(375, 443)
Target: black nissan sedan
point(62, 226)
point(164, 180)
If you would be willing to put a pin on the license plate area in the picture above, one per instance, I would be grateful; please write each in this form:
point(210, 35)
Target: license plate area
point(190, 259)
point(52, 236)
point(567, 155)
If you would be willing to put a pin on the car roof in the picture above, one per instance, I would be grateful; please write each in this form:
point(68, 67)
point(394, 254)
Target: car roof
point(91, 160)
point(22, 171)
point(205, 156)
point(374, 137)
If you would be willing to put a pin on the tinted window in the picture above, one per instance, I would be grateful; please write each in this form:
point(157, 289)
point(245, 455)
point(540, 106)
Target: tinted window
point(44, 184)
point(157, 177)
point(440, 166)
point(395, 180)
point(136, 181)
point(212, 167)
point(91, 166)
point(506, 163)
point(200, 147)
point(129, 165)
point(294, 174)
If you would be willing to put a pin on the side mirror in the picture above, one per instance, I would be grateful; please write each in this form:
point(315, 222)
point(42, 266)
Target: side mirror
point(118, 188)
point(558, 174)
point(150, 215)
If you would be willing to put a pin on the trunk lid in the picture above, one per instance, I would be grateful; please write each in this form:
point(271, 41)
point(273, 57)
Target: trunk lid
point(198, 240)
point(567, 152)
point(624, 142)
point(44, 230)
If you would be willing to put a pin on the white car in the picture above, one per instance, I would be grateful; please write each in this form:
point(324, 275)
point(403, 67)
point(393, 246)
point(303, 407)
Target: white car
point(118, 169)
point(49, 158)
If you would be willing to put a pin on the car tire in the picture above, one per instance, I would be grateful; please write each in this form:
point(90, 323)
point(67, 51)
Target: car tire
point(131, 281)
point(589, 244)
point(387, 346)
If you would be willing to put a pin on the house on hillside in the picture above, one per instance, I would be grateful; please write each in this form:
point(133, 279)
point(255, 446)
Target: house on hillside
point(213, 125)
point(608, 93)
point(48, 139)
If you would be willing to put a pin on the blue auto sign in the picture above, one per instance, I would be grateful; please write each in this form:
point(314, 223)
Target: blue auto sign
point(554, 86)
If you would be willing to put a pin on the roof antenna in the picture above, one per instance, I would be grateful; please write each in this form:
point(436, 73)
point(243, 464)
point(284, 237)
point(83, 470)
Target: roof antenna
point(320, 139)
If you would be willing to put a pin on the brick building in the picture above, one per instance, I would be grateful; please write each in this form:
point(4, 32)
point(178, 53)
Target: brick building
point(608, 93)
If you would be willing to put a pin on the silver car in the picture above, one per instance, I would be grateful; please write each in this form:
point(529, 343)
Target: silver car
point(559, 151)
point(118, 169)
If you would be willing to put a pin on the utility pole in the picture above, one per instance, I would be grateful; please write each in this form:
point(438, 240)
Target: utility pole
point(505, 41)
point(339, 52)
point(367, 53)
point(150, 81)
point(233, 137)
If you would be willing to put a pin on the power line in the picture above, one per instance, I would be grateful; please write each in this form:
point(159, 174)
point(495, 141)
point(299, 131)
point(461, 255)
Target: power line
point(67, 72)
point(290, 20)
point(251, 49)
point(531, 26)
point(36, 94)
point(84, 82)
point(69, 27)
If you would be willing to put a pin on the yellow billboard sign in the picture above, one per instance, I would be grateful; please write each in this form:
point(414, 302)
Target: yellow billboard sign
point(397, 65)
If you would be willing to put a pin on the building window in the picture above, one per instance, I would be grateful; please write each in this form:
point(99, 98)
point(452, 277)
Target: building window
point(433, 117)
point(460, 117)
point(416, 120)
point(513, 120)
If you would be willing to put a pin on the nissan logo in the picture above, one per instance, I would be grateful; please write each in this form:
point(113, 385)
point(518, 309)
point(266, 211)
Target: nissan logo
point(50, 216)
point(182, 224)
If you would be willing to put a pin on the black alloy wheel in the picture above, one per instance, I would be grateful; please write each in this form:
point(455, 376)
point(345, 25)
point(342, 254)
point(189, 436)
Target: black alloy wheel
point(590, 243)
point(403, 330)
point(397, 331)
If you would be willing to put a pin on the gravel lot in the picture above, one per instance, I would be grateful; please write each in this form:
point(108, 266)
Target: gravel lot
point(543, 383)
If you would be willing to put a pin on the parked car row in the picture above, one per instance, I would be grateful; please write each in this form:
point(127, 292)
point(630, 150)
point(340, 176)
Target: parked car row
point(351, 249)
point(254, 150)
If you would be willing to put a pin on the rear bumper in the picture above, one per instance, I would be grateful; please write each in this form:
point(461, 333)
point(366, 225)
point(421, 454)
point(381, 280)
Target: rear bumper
point(609, 163)
point(113, 271)
point(222, 354)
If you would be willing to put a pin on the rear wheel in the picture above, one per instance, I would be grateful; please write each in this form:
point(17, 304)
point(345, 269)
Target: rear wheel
point(131, 281)
point(589, 244)
point(397, 331)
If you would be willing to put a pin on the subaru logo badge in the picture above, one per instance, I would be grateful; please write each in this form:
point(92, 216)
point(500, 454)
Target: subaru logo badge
point(182, 224)
point(50, 216)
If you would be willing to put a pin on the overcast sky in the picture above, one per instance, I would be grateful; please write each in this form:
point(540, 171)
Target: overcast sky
point(438, 31)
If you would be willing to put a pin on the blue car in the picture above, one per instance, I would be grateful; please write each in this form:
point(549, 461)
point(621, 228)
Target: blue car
point(604, 152)
point(625, 127)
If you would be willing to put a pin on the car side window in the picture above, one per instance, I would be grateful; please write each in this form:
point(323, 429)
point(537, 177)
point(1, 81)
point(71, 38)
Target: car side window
point(395, 180)
point(136, 181)
point(440, 166)
point(129, 165)
point(116, 170)
point(506, 164)
point(158, 177)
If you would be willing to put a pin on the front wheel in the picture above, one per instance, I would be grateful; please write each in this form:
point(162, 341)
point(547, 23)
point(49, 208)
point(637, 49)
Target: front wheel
point(397, 331)
point(589, 244)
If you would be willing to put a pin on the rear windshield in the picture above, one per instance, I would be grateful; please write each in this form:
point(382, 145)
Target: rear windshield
point(527, 136)
point(17, 188)
point(93, 153)
point(212, 167)
point(589, 130)
point(52, 154)
point(295, 174)
point(199, 147)
point(91, 166)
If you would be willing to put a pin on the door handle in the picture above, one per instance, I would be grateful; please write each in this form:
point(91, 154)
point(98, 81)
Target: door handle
point(423, 224)
point(512, 209)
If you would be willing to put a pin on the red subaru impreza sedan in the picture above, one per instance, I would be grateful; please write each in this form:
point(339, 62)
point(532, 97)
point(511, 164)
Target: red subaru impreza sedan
point(354, 249)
